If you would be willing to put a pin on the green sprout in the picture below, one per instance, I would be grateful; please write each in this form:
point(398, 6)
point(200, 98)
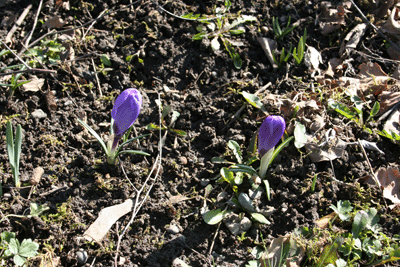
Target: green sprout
point(298, 54)
point(279, 33)
point(14, 150)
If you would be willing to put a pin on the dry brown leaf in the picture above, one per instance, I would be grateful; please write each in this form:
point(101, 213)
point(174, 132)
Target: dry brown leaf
point(274, 252)
point(387, 100)
point(269, 46)
point(107, 217)
point(368, 69)
point(177, 199)
point(54, 22)
point(383, 8)
point(389, 180)
point(331, 19)
point(353, 38)
point(34, 85)
point(329, 152)
point(392, 26)
point(323, 222)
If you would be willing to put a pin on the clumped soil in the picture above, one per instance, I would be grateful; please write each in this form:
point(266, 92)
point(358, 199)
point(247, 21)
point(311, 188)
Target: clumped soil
point(199, 83)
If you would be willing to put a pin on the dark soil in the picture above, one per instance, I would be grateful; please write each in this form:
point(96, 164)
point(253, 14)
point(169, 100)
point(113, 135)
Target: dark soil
point(202, 85)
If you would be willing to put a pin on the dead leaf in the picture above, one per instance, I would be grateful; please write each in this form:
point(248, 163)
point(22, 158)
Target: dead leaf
point(331, 19)
point(333, 150)
point(389, 180)
point(286, 246)
point(107, 217)
point(391, 26)
point(54, 22)
point(392, 124)
point(323, 222)
point(371, 69)
point(353, 38)
point(34, 85)
point(177, 199)
point(269, 46)
point(383, 9)
point(312, 59)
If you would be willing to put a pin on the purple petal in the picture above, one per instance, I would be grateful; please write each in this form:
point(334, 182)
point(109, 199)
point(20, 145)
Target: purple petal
point(270, 133)
point(126, 110)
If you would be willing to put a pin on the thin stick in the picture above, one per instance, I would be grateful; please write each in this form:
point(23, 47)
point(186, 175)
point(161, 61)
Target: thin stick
point(12, 52)
point(213, 241)
point(97, 79)
point(94, 21)
point(17, 24)
point(374, 27)
point(372, 172)
point(34, 23)
point(28, 70)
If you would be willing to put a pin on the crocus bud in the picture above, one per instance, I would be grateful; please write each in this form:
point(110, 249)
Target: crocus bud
point(126, 110)
point(270, 132)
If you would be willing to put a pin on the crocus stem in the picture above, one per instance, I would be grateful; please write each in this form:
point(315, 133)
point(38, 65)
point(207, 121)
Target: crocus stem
point(115, 142)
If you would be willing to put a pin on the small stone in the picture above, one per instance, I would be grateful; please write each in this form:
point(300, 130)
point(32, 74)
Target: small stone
point(204, 182)
point(264, 29)
point(214, 74)
point(183, 160)
point(39, 114)
point(179, 263)
point(7, 196)
point(173, 229)
point(237, 225)
point(37, 175)
point(81, 256)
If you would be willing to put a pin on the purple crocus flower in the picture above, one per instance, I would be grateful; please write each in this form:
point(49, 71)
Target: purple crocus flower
point(126, 110)
point(270, 133)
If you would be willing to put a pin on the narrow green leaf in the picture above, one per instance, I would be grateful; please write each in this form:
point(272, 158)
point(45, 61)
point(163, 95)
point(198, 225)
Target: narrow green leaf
point(179, 132)
point(153, 127)
point(280, 147)
point(265, 162)
point(242, 168)
point(199, 36)
point(138, 152)
point(259, 218)
point(219, 160)
point(133, 139)
point(267, 189)
point(95, 135)
point(17, 150)
point(234, 146)
point(10, 143)
point(374, 110)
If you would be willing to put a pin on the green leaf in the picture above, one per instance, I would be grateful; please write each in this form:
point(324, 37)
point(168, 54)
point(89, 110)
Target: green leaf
point(138, 152)
point(219, 160)
point(95, 135)
point(13, 246)
point(267, 189)
point(253, 100)
point(28, 248)
point(18, 260)
point(265, 162)
point(280, 147)
point(10, 143)
point(179, 132)
point(374, 110)
point(167, 109)
point(260, 218)
point(238, 178)
point(300, 137)
point(153, 127)
point(329, 254)
point(36, 210)
point(243, 168)
point(236, 32)
point(360, 222)
point(105, 60)
point(342, 209)
point(227, 175)
point(235, 147)
point(214, 216)
point(199, 36)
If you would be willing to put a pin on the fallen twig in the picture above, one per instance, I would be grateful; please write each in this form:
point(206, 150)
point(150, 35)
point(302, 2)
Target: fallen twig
point(374, 27)
point(34, 23)
point(17, 24)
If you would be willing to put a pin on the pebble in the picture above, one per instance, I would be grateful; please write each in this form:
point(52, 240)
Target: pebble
point(37, 175)
point(204, 182)
point(173, 229)
point(237, 225)
point(39, 114)
point(179, 263)
point(183, 160)
point(264, 29)
point(7, 196)
point(81, 256)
